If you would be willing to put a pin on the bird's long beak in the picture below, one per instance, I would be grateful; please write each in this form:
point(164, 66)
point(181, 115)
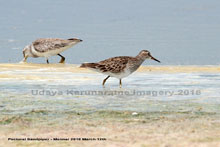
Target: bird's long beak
point(154, 59)
point(79, 40)
point(23, 61)
point(25, 58)
point(24, 54)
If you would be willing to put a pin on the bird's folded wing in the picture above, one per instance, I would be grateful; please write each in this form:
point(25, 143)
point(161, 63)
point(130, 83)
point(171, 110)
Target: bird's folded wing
point(44, 45)
point(114, 65)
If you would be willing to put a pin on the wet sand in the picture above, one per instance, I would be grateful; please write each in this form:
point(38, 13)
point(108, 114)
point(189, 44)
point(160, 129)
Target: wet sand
point(128, 120)
point(74, 68)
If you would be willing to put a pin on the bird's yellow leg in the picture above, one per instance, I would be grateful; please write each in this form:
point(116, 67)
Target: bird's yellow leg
point(103, 83)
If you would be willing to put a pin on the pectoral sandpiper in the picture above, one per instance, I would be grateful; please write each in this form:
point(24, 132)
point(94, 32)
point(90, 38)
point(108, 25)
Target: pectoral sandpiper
point(119, 67)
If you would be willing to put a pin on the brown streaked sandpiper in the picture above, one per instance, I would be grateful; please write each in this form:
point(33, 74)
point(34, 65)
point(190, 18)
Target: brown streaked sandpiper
point(46, 47)
point(119, 67)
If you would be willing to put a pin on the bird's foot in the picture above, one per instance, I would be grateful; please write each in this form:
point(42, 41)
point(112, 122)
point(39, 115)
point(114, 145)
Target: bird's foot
point(62, 61)
point(23, 61)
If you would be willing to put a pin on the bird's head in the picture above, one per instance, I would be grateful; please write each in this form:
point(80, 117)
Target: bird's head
point(27, 52)
point(145, 54)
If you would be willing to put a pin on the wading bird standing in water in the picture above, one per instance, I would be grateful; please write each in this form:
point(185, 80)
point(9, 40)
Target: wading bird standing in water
point(119, 67)
point(46, 47)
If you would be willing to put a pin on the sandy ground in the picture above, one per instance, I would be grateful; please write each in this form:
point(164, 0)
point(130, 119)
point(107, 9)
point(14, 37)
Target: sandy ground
point(119, 128)
point(75, 68)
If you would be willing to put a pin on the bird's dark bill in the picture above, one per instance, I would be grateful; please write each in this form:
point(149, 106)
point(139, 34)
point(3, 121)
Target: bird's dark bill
point(155, 59)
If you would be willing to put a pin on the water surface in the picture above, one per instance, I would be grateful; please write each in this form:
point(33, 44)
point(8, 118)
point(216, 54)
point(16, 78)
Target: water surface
point(176, 32)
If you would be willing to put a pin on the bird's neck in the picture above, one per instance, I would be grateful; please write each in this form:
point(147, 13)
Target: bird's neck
point(140, 58)
point(139, 61)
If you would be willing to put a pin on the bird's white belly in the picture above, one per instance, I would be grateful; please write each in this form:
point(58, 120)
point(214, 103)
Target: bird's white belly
point(118, 75)
point(50, 52)
point(121, 75)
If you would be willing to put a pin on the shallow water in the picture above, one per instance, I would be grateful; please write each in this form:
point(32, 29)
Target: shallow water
point(57, 87)
point(176, 32)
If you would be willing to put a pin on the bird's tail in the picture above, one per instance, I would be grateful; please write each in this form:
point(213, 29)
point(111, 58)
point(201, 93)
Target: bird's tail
point(88, 65)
